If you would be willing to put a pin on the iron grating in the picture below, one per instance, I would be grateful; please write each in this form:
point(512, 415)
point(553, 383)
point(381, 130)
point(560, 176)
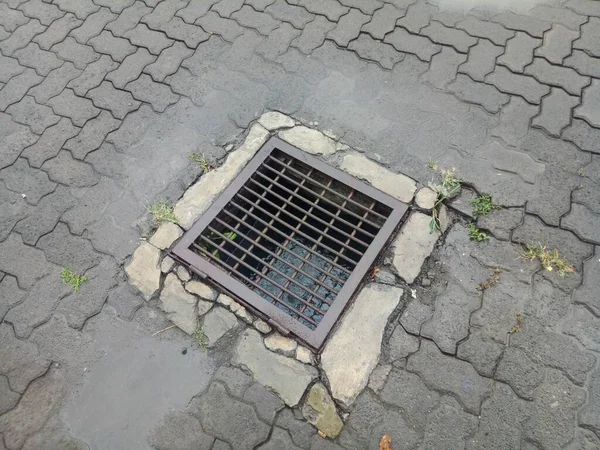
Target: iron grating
point(292, 238)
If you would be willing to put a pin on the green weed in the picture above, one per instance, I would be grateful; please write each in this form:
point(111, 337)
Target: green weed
point(475, 234)
point(550, 259)
point(71, 278)
point(162, 212)
point(482, 205)
point(493, 280)
point(200, 338)
point(201, 160)
point(449, 188)
point(517, 327)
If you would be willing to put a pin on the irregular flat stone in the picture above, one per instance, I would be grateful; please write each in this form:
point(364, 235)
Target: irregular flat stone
point(201, 290)
point(263, 327)
point(309, 140)
point(199, 197)
point(179, 305)
point(287, 377)
point(274, 120)
point(143, 271)
point(166, 234)
point(320, 410)
point(217, 323)
point(204, 307)
point(303, 354)
point(353, 351)
point(396, 185)
point(413, 245)
point(426, 198)
point(278, 343)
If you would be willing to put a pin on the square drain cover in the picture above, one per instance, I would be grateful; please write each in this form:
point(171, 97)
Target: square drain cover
point(292, 237)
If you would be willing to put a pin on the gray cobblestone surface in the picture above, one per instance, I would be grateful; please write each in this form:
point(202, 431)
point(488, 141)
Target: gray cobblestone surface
point(103, 101)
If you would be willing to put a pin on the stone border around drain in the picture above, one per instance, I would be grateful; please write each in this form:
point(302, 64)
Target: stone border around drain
point(278, 362)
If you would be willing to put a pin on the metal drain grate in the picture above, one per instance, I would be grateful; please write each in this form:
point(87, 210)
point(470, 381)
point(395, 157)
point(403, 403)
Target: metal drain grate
point(292, 237)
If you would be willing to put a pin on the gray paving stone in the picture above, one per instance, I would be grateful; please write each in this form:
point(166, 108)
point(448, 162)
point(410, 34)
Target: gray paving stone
point(557, 44)
point(115, 6)
point(15, 209)
point(81, 8)
point(368, 48)
point(481, 60)
point(16, 87)
point(590, 37)
point(157, 94)
point(11, 295)
point(583, 136)
point(37, 9)
point(583, 63)
point(590, 104)
point(50, 143)
point(563, 77)
point(300, 431)
point(80, 110)
point(449, 426)
point(441, 34)
point(584, 293)
point(92, 135)
point(128, 18)
point(41, 60)
point(562, 16)
point(514, 120)
point(482, 352)
point(267, 404)
point(28, 112)
point(584, 326)
point(555, 113)
point(297, 16)
point(522, 374)
point(488, 30)
point(589, 413)
point(313, 35)
point(332, 9)
point(348, 27)
point(413, 317)
point(366, 6)
point(177, 29)
point(21, 37)
point(162, 13)
point(279, 439)
point(184, 83)
point(71, 50)
point(485, 95)
point(418, 16)
point(178, 430)
point(131, 68)
point(11, 19)
point(278, 41)
point(54, 83)
point(168, 62)
point(93, 25)
point(527, 87)
point(117, 48)
point(71, 172)
point(443, 67)
point(227, 418)
point(260, 5)
point(228, 29)
point(14, 138)
point(519, 52)
point(195, 10)
point(119, 102)
point(8, 398)
point(235, 380)
point(142, 36)
point(66, 250)
point(530, 25)
point(9, 67)
point(383, 21)
point(57, 31)
point(125, 302)
point(227, 7)
point(92, 75)
point(405, 42)
point(583, 223)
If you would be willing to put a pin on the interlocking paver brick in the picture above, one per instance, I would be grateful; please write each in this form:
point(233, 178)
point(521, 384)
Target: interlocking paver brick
point(583, 135)
point(92, 135)
point(512, 161)
point(443, 67)
point(189, 433)
point(116, 6)
point(168, 62)
point(555, 114)
point(449, 425)
point(184, 83)
point(14, 138)
point(17, 87)
point(590, 37)
point(332, 9)
point(260, 5)
point(3, 34)
point(585, 7)
point(192, 35)
point(162, 13)
point(583, 222)
point(261, 22)
point(81, 8)
point(383, 21)
point(442, 34)
point(481, 60)
point(117, 48)
point(563, 77)
point(278, 41)
point(559, 15)
point(295, 15)
point(588, 416)
point(366, 6)
point(518, 371)
point(128, 19)
point(226, 28)
point(11, 19)
point(131, 68)
point(78, 54)
point(158, 95)
point(225, 8)
point(525, 86)
point(154, 41)
point(21, 37)
point(28, 112)
point(119, 102)
point(195, 10)
point(405, 42)
point(417, 17)
point(93, 75)
point(57, 31)
point(50, 143)
point(519, 52)
point(37, 9)
point(66, 170)
point(9, 67)
point(514, 121)
point(384, 54)
point(79, 109)
point(41, 60)
point(313, 35)
point(490, 98)
point(530, 25)
point(590, 104)
point(348, 27)
point(23, 179)
point(557, 44)
point(489, 30)
point(583, 63)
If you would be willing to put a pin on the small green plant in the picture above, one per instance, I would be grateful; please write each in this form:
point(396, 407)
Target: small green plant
point(550, 259)
point(162, 212)
point(475, 234)
point(201, 160)
point(482, 205)
point(493, 280)
point(200, 338)
point(517, 327)
point(432, 165)
point(449, 188)
point(71, 278)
